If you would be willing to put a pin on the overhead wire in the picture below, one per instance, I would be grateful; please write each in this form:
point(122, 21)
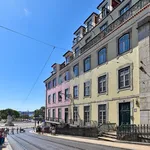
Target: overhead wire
point(39, 75)
point(29, 37)
point(37, 40)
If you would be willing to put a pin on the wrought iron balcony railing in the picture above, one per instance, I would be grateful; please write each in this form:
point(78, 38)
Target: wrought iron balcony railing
point(131, 12)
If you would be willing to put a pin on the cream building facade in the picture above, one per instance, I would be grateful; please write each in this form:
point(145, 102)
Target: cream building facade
point(109, 69)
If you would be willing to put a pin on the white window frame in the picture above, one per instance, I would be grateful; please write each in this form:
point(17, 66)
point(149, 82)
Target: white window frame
point(60, 113)
point(89, 25)
point(77, 91)
point(49, 99)
point(123, 75)
point(66, 96)
point(131, 77)
point(75, 114)
point(54, 98)
point(87, 88)
point(88, 116)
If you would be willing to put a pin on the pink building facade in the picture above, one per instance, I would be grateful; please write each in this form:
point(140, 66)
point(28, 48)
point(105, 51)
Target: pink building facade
point(58, 103)
point(58, 106)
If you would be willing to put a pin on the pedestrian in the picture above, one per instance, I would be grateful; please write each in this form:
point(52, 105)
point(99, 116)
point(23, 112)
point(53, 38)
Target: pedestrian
point(5, 134)
point(17, 130)
point(1, 137)
point(12, 130)
point(8, 131)
point(20, 129)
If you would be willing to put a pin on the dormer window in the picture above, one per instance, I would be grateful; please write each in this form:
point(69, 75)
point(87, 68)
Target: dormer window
point(77, 52)
point(78, 36)
point(54, 69)
point(67, 60)
point(104, 11)
point(89, 25)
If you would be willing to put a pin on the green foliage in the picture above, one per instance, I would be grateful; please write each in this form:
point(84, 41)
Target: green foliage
point(6, 112)
point(40, 112)
point(25, 116)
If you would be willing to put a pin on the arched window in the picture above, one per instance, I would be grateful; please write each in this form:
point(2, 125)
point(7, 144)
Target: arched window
point(102, 56)
point(124, 43)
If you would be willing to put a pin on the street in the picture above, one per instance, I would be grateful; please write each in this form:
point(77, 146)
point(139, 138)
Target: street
point(19, 124)
point(30, 141)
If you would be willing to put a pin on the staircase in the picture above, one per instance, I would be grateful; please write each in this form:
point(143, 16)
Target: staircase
point(108, 136)
point(107, 132)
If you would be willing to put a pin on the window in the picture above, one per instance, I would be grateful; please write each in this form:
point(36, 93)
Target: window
point(67, 76)
point(77, 52)
point(124, 43)
point(54, 70)
point(102, 114)
point(75, 92)
point(87, 88)
point(49, 113)
point(66, 94)
point(60, 79)
point(78, 36)
point(124, 9)
point(86, 114)
point(49, 99)
point(124, 78)
point(102, 84)
point(102, 56)
point(88, 39)
point(104, 11)
point(54, 115)
point(59, 113)
point(76, 70)
point(67, 60)
point(54, 98)
point(89, 25)
point(103, 27)
point(59, 96)
point(49, 85)
point(54, 82)
point(87, 64)
point(75, 114)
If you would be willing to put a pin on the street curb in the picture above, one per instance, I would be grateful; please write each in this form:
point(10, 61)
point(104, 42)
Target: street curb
point(117, 142)
point(137, 143)
point(126, 142)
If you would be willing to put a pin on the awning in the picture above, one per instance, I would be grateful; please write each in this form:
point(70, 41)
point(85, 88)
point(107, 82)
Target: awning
point(53, 122)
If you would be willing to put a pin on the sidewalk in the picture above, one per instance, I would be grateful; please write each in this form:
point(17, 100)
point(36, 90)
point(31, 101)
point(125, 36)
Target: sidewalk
point(98, 142)
point(6, 146)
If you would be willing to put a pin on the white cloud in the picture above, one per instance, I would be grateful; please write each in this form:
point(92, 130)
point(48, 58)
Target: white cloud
point(26, 12)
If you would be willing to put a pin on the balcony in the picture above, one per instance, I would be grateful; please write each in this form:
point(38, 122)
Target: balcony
point(131, 12)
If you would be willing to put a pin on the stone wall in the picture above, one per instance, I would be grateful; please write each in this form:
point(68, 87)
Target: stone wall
point(144, 57)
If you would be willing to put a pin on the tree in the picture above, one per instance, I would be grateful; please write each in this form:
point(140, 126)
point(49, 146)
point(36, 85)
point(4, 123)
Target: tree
point(40, 112)
point(4, 113)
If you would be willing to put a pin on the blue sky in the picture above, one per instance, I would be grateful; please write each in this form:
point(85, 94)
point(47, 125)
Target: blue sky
point(21, 59)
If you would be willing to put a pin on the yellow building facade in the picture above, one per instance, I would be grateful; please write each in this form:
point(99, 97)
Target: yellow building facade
point(115, 105)
point(107, 73)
